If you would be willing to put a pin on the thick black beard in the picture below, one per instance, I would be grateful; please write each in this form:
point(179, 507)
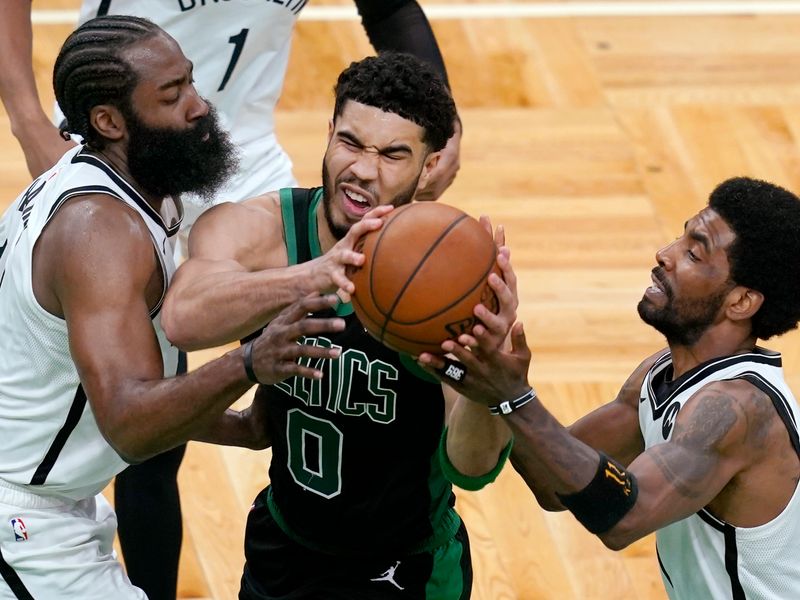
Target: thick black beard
point(169, 162)
point(328, 187)
point(682, 323)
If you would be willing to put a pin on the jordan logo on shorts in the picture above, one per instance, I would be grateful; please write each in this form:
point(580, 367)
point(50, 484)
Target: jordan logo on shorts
point(388, 575)
point(20, 531)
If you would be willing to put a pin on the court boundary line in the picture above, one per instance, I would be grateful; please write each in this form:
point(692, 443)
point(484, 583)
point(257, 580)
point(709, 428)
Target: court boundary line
point(507, 10)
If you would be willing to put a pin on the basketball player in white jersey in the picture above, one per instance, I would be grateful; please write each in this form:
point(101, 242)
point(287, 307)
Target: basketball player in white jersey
point(240, 50)
point(85, 262)
point(701, 444)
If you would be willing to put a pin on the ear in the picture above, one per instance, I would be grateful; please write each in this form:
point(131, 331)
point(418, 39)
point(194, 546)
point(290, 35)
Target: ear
point(330, 130)
point(108, 122)
point(743, 303)
point(427, 167)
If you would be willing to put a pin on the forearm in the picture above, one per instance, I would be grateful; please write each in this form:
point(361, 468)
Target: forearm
point(219, 308)
point(475, 438)
point(17, 82)
point(547, 456)
point(147, 417)
point(236, 428)
point(401, 26)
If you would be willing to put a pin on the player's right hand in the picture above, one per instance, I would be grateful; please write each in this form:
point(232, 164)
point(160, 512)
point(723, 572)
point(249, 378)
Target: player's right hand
point(329, 271)
point(276, 351)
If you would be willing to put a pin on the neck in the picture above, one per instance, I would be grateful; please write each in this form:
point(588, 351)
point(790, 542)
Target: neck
point(326, 237)
point(115, 157)
point(708, 347)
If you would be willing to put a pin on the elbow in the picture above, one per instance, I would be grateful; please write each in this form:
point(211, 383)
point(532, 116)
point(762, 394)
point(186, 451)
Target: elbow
point(177, 333)
point(619, 537)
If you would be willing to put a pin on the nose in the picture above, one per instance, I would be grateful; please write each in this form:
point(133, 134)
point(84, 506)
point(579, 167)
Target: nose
point(365, 165)
point(664, 255)
point(198, 107)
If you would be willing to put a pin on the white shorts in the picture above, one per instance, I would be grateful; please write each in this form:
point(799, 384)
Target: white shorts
point(52, 549)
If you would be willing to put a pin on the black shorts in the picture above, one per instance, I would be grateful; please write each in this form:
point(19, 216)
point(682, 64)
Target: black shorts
point(278, 568)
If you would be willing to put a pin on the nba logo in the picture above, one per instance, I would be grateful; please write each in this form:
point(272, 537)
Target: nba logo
point(20, 531)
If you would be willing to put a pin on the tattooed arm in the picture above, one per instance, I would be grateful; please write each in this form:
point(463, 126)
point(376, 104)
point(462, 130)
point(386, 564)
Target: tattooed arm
point(719, 433)
point(716, 437)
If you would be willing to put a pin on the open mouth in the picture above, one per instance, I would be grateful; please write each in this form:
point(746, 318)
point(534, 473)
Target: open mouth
point(356, 203)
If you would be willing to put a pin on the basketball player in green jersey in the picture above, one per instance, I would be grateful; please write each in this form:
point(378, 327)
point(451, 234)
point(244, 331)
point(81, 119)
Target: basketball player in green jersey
point(360, 501)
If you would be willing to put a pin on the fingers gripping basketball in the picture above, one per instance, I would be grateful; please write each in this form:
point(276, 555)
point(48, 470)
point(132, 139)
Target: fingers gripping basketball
point(425, 270)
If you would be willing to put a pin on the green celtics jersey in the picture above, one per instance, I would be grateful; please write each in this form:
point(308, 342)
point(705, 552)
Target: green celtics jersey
point(355, 464)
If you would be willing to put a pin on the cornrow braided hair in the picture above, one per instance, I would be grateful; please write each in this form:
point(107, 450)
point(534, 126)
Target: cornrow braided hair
point(89, 71)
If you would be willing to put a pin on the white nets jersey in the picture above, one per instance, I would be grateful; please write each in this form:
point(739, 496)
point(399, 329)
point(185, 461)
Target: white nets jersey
point(49, 440)
point(240, 50)
point(702, 557)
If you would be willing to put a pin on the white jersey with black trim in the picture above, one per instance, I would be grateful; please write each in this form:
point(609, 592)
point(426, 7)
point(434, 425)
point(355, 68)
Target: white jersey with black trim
point(702, 556)
point(240, 51)
point(49, 439)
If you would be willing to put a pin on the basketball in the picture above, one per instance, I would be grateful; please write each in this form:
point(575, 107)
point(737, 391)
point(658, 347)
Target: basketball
point(425, 271)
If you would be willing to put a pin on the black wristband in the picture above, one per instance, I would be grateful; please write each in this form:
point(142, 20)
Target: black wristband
point(608, 497)
point(509, 406)
point(247, 358)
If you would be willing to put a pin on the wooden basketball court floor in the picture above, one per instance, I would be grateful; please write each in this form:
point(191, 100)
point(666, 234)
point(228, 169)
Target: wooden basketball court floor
point(591, 138)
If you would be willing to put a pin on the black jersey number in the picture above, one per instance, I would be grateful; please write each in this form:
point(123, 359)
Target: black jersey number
point(315, 453)
point(238, 43)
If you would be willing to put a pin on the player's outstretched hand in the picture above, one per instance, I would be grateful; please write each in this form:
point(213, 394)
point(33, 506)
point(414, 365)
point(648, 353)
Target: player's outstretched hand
point(495, 355)
point(276, 351)
point(329, 271)
point(491, 377)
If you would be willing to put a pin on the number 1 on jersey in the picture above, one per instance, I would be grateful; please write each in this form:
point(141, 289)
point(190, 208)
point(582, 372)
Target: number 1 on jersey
point(238, 43)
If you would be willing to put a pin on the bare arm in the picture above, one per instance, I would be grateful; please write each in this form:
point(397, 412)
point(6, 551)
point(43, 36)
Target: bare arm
point(236, 278)
point(710, 445)
point(104, 296)
point(246, 428)
point(37, 136)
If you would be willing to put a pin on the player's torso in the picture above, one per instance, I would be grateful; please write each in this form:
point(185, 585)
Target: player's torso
point(49, 439)
point(702, 556)
point(355, 454)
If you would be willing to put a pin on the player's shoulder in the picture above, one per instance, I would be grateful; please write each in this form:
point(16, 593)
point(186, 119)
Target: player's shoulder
point(630, 390)
point(100, 216)
point(727, 415)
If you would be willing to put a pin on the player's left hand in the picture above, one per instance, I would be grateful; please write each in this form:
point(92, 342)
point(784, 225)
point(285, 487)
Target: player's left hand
point(444, 173)
point(494, 359)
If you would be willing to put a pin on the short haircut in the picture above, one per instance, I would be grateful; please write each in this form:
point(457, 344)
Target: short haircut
point(404, 85)
point(765, 255)
point(90, 71)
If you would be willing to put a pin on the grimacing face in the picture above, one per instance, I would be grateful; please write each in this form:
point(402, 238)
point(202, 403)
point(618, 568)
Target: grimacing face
point(373, 158)
point(691, 282)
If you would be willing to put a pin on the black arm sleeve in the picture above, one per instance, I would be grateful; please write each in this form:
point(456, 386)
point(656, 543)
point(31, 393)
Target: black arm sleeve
point(400, 25)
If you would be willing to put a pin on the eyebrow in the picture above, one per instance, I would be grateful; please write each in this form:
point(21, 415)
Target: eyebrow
point(703, 239)
point(405, 148)
point(177, 80)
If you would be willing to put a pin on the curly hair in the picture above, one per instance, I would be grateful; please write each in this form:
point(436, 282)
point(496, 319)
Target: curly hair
point(89, 71)
point(765, 255)
point(404, 85)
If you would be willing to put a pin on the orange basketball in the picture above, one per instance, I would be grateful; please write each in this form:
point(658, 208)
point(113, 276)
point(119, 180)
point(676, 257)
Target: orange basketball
point(425, 271)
